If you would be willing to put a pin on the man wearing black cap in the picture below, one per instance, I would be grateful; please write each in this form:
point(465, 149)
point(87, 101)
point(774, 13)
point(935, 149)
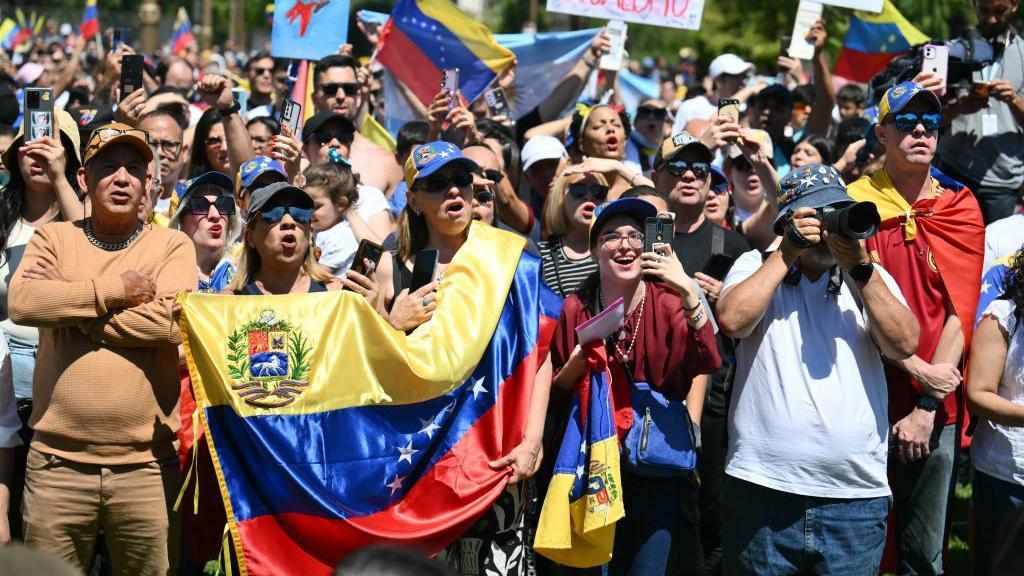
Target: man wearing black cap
point(807, 490)
point(325, 131)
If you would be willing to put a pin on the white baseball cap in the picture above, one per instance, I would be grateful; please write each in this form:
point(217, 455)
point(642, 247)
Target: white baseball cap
point(728, 64)
point(541, 148)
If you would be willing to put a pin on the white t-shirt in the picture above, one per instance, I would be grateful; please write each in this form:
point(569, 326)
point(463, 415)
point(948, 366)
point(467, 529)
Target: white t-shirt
point(338, 243)
point(9, 421)
point(809, 411)
point(998, 450)
point(9, 261)
point(698, 107)
point(1002, 238)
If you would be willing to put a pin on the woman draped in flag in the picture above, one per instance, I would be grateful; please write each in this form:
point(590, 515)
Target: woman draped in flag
point(665, 341)
point(438, 217)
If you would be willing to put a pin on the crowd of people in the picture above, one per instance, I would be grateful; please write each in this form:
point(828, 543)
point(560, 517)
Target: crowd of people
point(837, 374)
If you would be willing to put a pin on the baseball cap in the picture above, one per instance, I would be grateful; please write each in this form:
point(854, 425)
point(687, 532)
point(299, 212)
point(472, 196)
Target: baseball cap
point(117, 133)
point(670, 147)
point(897, 98)
point(89, 119)
point(719, 182)
point(812, 186)
point(431, 157)
point(728, 63)
point(262, 196)
point(635, 207)
point(69, 138)
point(256, 167)
point(316, 121)
point(214, 178)
point(541, 148)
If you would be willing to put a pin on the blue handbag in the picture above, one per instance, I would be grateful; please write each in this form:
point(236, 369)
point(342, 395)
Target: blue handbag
point(661, 441)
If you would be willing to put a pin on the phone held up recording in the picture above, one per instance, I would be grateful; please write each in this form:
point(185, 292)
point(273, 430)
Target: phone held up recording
point(38, 116)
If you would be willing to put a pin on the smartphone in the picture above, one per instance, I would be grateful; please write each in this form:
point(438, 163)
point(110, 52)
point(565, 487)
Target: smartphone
point(980, 88)
point(871, 140)
point(784, 43)
point(497, 103)
point(450, 84)
point(38, 115)
point(132, 66)
point(423, 269)
point(935, 59)
point(120, 36)
point(658, 230)
point(616, 30)
point(291, 116)
point(242, 99)
point(367, 250)
point(718, 266)
point(729, 108)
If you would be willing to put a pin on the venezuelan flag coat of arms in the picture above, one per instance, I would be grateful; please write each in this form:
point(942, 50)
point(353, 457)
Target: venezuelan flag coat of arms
point(330, 431)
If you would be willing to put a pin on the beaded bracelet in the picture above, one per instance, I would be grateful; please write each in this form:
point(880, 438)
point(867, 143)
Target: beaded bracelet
point(695, 317)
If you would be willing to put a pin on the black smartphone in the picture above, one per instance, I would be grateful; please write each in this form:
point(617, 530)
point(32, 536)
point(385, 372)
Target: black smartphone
point(784, 43)
point(132, 66)
point(423, 269)
point(658, 230)
point(291, 115)
point(120, 36)
point(368, 250)
point(38, 115)
point(718, 266)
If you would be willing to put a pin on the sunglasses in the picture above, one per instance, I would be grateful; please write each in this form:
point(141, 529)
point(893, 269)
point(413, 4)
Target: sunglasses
point(580, 191)
point(440, 183)
point(261, 71)
point(742, 164)
point(324, 138)
point(275, 214)
point(700, 168)
point(484, 196)
point(908, 121)
point(350, 88)
point(200, 205)
point(493, 175)
point(652, 112)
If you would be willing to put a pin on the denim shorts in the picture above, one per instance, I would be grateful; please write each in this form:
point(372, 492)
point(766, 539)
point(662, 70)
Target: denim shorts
point(23, 364)
point(770, 532)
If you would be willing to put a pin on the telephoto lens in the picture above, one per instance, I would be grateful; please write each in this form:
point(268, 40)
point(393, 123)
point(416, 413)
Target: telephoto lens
point(856, 221)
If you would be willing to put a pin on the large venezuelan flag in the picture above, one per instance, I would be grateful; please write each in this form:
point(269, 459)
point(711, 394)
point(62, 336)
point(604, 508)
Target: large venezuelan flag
point(873, 40)
point(584, 498)
point(994, 283)
point(423, 37)
point(331, 431)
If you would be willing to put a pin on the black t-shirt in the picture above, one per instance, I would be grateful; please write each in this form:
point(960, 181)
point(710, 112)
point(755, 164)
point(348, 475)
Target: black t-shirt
point(694, 248)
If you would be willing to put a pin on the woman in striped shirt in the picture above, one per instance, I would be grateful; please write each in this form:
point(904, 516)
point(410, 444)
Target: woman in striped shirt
point(567, 215)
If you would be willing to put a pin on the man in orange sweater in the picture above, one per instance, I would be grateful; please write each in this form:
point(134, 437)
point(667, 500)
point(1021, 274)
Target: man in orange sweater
point(101, 291)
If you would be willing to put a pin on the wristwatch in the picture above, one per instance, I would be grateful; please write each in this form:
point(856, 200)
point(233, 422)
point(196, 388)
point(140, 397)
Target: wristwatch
point(928, 403)
point(862, 273)
point(233, 109)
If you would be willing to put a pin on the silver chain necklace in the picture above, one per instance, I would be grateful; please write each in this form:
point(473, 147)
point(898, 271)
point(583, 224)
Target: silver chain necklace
point(624, 356)
point(110, 246)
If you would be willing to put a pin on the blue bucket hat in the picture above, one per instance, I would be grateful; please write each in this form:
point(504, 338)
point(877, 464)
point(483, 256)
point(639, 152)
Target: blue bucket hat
point(635, 207)
point(813, 186)
point(431, 157)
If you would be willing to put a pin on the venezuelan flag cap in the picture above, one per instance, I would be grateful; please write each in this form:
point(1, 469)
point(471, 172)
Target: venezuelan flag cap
point(431, 157)
point(897, 98)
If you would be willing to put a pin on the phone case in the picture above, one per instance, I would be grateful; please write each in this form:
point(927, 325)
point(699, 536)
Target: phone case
point(38, 113)
point(291, 114)
point(131, 73)
point(935, 59)
point(450, 84)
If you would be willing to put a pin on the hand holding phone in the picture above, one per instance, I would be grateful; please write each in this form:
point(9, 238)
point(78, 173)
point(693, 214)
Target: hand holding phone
point(450, 85)
point(291, 115)
point(38, 114)
point(132, 66)
point(368, 250)
point(658, 230)
point(935, 59)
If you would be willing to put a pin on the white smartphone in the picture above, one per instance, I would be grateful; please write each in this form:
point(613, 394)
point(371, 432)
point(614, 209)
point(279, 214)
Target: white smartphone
point(935, 59)
point(616, 29)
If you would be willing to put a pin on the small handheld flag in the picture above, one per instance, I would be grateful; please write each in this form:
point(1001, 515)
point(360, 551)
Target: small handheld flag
point(90, 20)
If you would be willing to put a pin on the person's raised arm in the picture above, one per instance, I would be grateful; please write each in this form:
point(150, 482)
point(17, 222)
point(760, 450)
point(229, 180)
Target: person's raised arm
point(758, 227)
point(215, 91)
point(555, 128)
point(569, 89)
point(67, 75)
point(820, 120)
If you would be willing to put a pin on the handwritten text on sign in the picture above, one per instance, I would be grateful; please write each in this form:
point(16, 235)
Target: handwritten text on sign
point(671, 13)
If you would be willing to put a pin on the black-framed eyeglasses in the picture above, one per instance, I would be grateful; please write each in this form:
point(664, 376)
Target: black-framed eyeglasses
point(484, 196)
point(908, 121)
point(200, 205)
point(439, 183)
point(579, 191)
point(171, 146)
point(323, 137)
point(330, 89)
point(634, 240)
point(275, 214)
point(700, 168)
point(651, 112)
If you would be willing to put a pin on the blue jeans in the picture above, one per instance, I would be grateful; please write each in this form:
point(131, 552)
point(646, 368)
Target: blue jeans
point(921, 493)
point(995, 500)
point(23, 364)
point(771, 532)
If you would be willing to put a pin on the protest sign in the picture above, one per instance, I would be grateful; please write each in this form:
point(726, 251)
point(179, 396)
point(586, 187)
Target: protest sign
point(874, 6)
point(807, 13)
point(308, 30)
point(670, 13)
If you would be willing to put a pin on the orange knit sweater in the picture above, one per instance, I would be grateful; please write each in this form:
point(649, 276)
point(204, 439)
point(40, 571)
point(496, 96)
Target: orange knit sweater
point(106, 387)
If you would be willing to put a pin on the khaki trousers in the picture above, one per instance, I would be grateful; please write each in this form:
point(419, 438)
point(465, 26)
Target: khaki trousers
point(68, 503)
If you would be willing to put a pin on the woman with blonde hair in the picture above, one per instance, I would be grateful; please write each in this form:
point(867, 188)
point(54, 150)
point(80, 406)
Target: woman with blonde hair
point(568, 212)
point(208, 215)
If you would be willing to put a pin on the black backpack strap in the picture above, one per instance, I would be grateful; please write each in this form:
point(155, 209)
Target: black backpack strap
point(853, 291)
point(717, 239)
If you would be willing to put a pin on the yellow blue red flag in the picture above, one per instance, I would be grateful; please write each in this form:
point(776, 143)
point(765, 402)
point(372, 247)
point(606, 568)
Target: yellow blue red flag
point(331, 431)
point(584, 499)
